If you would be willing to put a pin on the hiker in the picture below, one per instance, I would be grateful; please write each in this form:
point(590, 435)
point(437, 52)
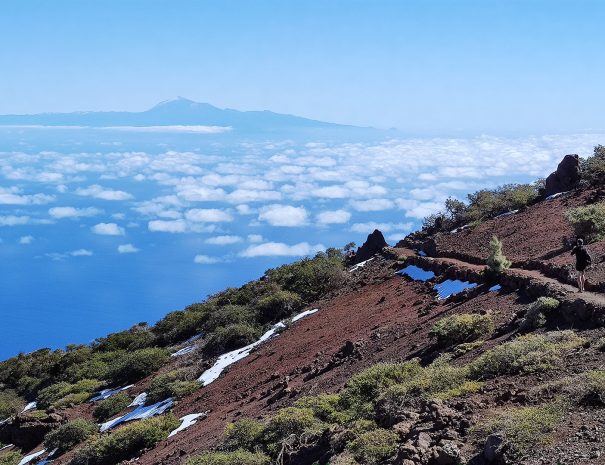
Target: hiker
point(583, 261)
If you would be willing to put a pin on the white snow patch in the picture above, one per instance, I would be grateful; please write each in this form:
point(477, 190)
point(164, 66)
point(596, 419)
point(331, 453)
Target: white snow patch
point(360, 265)
point(558, 194)
point(502, 215)
point(139, 413)
point(183, 351)
point(304, 314)
point(30, 457)
point(30, 406)
point(6, 447)
point(461, 228)
point(106, 393)
point(187, 421)
point(139, 400)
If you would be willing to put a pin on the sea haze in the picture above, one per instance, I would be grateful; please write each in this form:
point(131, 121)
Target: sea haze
point(105, 222)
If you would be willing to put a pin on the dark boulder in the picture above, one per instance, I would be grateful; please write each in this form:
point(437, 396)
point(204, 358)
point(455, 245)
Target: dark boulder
point(26, 431)
point(565, 178)
point(373, 244)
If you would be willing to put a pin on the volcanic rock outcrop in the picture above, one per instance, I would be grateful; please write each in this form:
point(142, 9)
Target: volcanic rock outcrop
point(566, 177)
point(373, 244)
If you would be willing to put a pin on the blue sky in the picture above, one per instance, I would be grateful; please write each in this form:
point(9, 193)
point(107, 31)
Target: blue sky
point(426, 67)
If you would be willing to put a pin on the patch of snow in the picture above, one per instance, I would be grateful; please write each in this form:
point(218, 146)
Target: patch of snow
point(6, 420)
point(30, 406)
point(6, 447)
point(554, 196)
point(300, 316)
point(139, 400)
point(187, 421)
point(502, 215)
point(360, 265)
point(183, 351)
point(139, 413)
point(495, 288)
point(461, 228)
point(422, 253)
point(416, 273)
point(212, 373)
point(106, 393)
point(30, 457)
point(452, 286)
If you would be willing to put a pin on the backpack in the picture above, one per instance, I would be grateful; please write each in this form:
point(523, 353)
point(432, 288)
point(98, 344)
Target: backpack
point(586, 256)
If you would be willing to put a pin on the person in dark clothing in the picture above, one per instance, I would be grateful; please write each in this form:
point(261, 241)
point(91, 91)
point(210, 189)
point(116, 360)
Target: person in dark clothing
point(583, 261)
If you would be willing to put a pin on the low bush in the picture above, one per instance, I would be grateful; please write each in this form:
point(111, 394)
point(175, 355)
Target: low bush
point(111, 406)
point(126, 442)
point(456, 329)
point(245, 434)
point(593, 168)
point(589, 221)
point(525, 427)
point(300, 423)
point(465, 347)
point(344, 458)
point(133, 366)
point(10, 403)
point(137, 337)
point(239, 457)
point(10, 458)
point(228, 315)
point(180, 325)
point(231, 337)
point(373, 447)
point(497, 263)
point(526, 354)
point(170, 385)
point(278, 306)
point(64, 393)
point(587, 389)
point(537, 312)
point(70, 434)
point(326, 407)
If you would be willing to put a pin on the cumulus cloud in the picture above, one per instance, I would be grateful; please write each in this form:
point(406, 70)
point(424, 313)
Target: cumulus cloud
point(61, 256)
point(372, 205)
point(283, 215)
point(127, 248)
point(108, 229)
point(175, 226)
point(333, 217)
point(72, 212)
point(254, 238)
point(99, 192)
point(81, 253)
point(25, 240)
point(223, 240)
point(13, 196)
point(210, 215)
point(205, 260)
point(279, 249)
point(14, 220)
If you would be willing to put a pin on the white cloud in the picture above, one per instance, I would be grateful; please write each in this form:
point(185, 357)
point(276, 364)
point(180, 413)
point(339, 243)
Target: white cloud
point(252, 195)
point(127, 248)
point(372, 205)
point(175, 226)
point(108, 229)
point(13, 220)
point(367, 228)
point(223, 240)
point(81, 253)
point(60, 256)
point(72, 212)
point(13, 196)
point(333, 217)
point(283, 215)
point(99, 192)
point(279, 249)
point(254, 238)
point(25, 240)
point(210, 215)
point(205, 260)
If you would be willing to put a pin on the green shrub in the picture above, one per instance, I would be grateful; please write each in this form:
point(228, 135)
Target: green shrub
point(239, 457)
point(126, 442)
point(111, 406)
point(70, 434)
point(497, 263)
point(231, 337)
point(588, 221)
point(526, 354)
point(64, 393)
point(467, 387)
point(291, 421)
point(181, 325)
point(374, 446)
point(535, 316)
point(10, 458)
point(278, 306)
point(10, 403)
point(137, 337)
point(326, 407)
point(169, 385)
point(344, 458)
point(135, 365)
point(586, 389)
point(244, 434)
point(229, 315)
point(363, 389)
point(465, 347)
point(593, 168)
point(525, 427)
point(467, 327)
